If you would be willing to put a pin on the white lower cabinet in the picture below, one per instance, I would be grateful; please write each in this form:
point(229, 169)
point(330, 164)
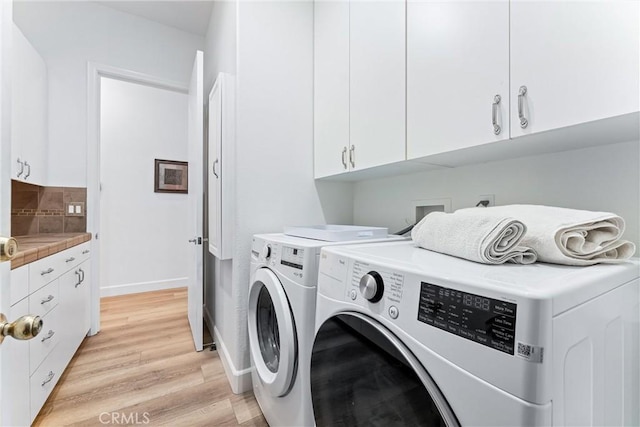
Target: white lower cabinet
point(61, 298)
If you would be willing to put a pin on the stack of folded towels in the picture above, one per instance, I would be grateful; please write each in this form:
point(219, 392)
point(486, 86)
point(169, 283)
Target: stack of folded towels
point(522, 234)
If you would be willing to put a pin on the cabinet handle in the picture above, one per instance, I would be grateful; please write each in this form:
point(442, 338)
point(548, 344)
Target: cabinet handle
point(47, 271)
point(214, 167)
point(352, 156)
point(47, 299)
point(28, 170)
point(521, 94)
point(49, 335)
point(344, 157)
point(21, 163)
point(86, 251)
point(82, 272)
point(49, 378)
point(79, 278)
point(494, 114)
point(70, 259)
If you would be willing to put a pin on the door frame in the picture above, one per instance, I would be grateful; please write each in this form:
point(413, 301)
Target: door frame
point(95, 71)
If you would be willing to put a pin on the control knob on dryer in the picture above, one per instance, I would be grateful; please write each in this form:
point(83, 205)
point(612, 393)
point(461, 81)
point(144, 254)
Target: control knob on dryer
point(372, 286)
point(266, 251)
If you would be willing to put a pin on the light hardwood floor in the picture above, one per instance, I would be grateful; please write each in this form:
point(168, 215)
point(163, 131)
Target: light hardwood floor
point(142, 367)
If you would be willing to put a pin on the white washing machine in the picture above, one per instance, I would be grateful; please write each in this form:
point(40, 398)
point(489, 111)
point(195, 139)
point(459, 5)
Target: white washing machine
point(281, 313)
point(405, 336)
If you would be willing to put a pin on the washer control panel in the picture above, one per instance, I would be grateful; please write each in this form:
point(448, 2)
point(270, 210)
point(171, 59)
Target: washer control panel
point(292, 257)
point(487, 321)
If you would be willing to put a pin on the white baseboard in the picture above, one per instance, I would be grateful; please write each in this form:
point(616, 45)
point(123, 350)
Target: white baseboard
point(239, 380)
point(134, 288)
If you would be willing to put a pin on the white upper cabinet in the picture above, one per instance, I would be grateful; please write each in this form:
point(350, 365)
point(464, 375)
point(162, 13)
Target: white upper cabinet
point(577, 59)
point(29, 109)
point(457, 75)
point(331, 87)
point(377, 83)
point(220, 175)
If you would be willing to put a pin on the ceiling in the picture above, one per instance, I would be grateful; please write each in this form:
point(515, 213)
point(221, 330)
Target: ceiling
point(191, 16)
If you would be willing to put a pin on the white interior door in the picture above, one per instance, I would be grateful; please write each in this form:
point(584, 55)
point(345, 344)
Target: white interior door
point(196, 199)
point(5, 185)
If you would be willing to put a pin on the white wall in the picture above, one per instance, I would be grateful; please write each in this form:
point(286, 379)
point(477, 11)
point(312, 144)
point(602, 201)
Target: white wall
point(274, 145)
point(143, 234)
point(67, 35)
point(601, 178)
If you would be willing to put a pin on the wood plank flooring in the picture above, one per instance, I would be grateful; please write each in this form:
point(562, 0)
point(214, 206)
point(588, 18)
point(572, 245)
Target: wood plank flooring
point(142, 367)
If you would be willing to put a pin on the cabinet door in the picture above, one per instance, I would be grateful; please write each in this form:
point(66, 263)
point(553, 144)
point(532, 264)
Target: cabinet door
point(331, 87)
point(29, 111)
point(457, 63)
point(220, 174)
point(577, 59)
point(377, 82)
point(73, 306)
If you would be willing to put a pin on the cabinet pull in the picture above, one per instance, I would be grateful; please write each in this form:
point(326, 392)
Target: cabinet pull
point(70, 259)
point(82, 272)
point(47, 271)
point(47, 299)
point(21, 171)
point(49, 378)
point(28, 170)
point(352, 156)
point(86, 251)
point(79, 278)
point(214, 167)
point(49, 335)
point(344, 157)
point(521, 94)
point(494, 114)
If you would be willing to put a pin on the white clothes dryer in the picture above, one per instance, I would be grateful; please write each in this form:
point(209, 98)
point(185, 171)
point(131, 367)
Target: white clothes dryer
point(281, 314)
point(405, 336)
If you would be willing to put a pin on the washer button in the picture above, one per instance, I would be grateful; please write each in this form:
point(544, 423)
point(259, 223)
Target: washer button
point(393, 312)
point(353, 294)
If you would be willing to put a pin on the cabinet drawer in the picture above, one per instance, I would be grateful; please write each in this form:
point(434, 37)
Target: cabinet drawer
point(19, 283)
point(43, 380)
point(41, 346)
point(45, 270)
point(76, 255)
point(44, 299)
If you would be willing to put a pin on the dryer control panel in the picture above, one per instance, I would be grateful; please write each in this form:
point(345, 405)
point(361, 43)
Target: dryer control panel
point(477, 318)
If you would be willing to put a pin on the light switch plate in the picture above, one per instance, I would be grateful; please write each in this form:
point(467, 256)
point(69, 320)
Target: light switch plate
point(75, 209)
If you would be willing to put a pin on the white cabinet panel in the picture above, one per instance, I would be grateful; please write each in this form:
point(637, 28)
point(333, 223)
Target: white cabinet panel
point(220, 175)
point(578, 60)
point(19, 283)
point(377, 82)
point(29, 109)
point(457, 62)
point(41, 346)
point(331, 87)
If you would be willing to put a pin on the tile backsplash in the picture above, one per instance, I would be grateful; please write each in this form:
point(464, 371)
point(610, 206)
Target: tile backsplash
point(36, 210)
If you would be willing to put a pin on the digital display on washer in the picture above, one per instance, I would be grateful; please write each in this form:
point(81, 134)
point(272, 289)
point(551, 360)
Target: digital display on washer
point(484, 320)
point(292, 257)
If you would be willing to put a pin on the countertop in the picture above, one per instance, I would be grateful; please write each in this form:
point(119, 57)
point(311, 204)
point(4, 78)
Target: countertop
point(34, 247)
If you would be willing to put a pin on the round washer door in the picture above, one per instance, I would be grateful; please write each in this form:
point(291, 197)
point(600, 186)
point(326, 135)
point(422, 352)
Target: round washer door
point(272, 337)
point(363, 375)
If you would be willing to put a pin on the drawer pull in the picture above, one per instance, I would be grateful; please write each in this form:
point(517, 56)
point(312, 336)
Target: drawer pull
point(79, 278)
point(86, 251)
point(70, 259)
point(49, 335)
point(47, 299)
point(49, 378)
point(47, 271)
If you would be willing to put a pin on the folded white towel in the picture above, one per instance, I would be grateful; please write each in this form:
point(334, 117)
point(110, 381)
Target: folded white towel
point(474, 235)
point(569, 236)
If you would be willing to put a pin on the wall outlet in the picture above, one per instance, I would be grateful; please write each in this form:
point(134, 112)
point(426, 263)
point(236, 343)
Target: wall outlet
point(488, 197)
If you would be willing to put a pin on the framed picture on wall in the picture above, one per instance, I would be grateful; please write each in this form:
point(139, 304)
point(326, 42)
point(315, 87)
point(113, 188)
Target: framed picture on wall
point(171, 176)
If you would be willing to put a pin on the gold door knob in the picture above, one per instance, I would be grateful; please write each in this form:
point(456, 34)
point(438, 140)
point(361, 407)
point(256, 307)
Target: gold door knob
point(8, 248)
point(24, 328)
